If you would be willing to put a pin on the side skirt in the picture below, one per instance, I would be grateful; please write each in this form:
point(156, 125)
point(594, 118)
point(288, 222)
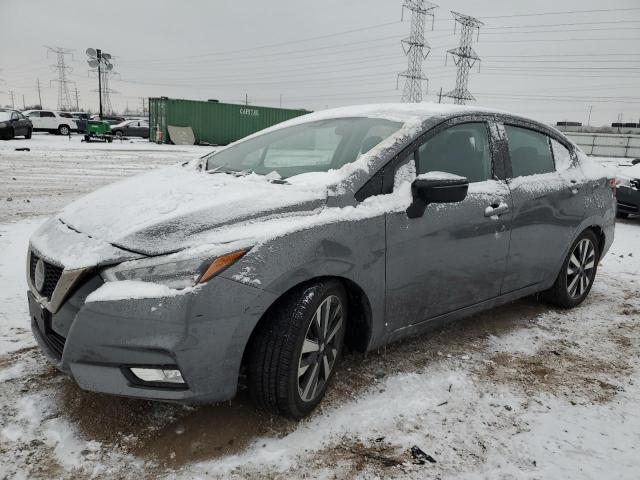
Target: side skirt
point(417, 328)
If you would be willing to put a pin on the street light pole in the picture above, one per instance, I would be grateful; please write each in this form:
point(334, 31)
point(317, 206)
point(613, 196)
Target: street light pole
point(99, 55)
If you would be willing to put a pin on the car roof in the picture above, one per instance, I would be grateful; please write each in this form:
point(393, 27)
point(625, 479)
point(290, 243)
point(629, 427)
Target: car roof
point(402, 111)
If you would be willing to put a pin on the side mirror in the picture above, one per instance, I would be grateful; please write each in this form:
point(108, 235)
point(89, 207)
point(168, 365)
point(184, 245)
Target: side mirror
point(436, 187)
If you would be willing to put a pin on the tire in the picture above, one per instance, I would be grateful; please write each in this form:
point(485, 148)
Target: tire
point(64, 130)
point(28, 134)
point(118, 134)
point(622, 215)
point(276, 354)
point(9, 135)
point(577, 274)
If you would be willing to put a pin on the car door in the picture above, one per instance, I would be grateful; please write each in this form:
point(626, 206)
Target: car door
point(17, 124)
point(548, 205)
point(48, 120)
point(36, 121)
point(455, 255)
point(24, 124)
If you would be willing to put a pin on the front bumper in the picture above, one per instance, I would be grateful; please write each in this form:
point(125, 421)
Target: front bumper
point(628, 199)
point(203, 333)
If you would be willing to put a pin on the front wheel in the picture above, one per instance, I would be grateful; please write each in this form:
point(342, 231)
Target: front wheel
point(578, 272)
point(294, 351)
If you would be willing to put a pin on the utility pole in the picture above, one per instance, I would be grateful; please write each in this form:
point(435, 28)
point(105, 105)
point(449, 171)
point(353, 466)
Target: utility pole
point(13, 103)
point(39, 96)
point(24, 105)
point(77, 99)
point(64, 98)
point(415, 48)
point(246, 99)
point(589, 119)
point(464, 57)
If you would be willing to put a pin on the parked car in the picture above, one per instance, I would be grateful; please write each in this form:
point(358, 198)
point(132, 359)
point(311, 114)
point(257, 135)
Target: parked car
point(355, 226)
point(81, 119)
point(131, 128)
point(112, 119)
point(628, 191)
point(14, 124)
point(50, 121)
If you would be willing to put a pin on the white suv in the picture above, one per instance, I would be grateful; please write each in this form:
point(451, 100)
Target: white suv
point(50, 121)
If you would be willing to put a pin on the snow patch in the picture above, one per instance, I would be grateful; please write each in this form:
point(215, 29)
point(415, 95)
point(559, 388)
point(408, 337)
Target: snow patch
point(134, 289)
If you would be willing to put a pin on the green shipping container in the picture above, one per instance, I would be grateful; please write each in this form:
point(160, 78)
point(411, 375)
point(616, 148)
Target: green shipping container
point(213, 122)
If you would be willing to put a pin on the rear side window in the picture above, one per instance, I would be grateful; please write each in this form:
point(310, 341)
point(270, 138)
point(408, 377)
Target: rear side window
point(47, 114)
point(530, 151)
point(462, 150)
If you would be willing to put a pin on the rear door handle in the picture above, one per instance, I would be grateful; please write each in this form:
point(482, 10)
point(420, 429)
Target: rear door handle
point(496, 209)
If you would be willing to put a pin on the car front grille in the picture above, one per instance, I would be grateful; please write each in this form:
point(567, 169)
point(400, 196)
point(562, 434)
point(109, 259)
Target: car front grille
point(53, 340)
point(52, 275)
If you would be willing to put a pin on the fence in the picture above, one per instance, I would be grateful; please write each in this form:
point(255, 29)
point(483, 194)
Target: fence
point(607, 145)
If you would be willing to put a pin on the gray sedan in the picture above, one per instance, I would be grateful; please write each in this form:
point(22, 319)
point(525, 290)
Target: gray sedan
point(131, 128)
point(355, 227)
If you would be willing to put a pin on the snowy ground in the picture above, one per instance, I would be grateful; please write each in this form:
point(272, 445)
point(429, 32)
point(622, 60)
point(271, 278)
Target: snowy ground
point(522, 391)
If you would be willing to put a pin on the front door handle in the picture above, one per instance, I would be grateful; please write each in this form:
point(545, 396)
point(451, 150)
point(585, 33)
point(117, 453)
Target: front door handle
point(496, 209)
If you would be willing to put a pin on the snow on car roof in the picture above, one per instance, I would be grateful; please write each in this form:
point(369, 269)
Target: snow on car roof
point(402, 112)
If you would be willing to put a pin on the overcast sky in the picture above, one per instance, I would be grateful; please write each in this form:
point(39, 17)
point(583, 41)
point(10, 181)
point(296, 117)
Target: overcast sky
point(551, 66)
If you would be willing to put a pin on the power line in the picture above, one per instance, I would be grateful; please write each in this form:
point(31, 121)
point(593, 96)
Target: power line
point(566, 12)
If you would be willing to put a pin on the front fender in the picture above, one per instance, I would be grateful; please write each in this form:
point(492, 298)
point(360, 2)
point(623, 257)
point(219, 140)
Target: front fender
point(353, 250)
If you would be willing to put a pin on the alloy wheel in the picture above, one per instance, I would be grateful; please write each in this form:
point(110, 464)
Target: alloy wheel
point(320, 348)
point(581, 268)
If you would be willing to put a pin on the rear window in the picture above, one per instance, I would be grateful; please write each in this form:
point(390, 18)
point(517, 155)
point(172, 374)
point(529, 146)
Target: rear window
point(530, 151)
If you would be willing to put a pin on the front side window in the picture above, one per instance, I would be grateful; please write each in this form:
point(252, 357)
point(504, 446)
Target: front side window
point(309, 147)
point(462, 150)
point(33, 114)
point(530, 151)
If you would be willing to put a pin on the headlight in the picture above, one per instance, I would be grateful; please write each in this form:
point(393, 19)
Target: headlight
point(172, 272)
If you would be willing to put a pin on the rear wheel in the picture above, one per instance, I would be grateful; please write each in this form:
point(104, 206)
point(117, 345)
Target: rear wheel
point(578, 272)
point(9, 134)
point(63, 130)
point(294, 352)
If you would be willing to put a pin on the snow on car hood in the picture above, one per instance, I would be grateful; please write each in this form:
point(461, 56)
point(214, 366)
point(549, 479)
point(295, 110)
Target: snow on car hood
point(169, 209)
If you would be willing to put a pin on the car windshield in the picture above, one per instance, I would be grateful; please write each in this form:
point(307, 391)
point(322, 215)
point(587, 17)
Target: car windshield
point(308, 147)
point(4, 116)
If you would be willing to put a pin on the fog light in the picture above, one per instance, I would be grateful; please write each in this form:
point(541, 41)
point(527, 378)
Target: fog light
point(158, 375)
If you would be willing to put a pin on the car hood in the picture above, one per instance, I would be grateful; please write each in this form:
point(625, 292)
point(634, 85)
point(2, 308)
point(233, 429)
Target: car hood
point(174, 208)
